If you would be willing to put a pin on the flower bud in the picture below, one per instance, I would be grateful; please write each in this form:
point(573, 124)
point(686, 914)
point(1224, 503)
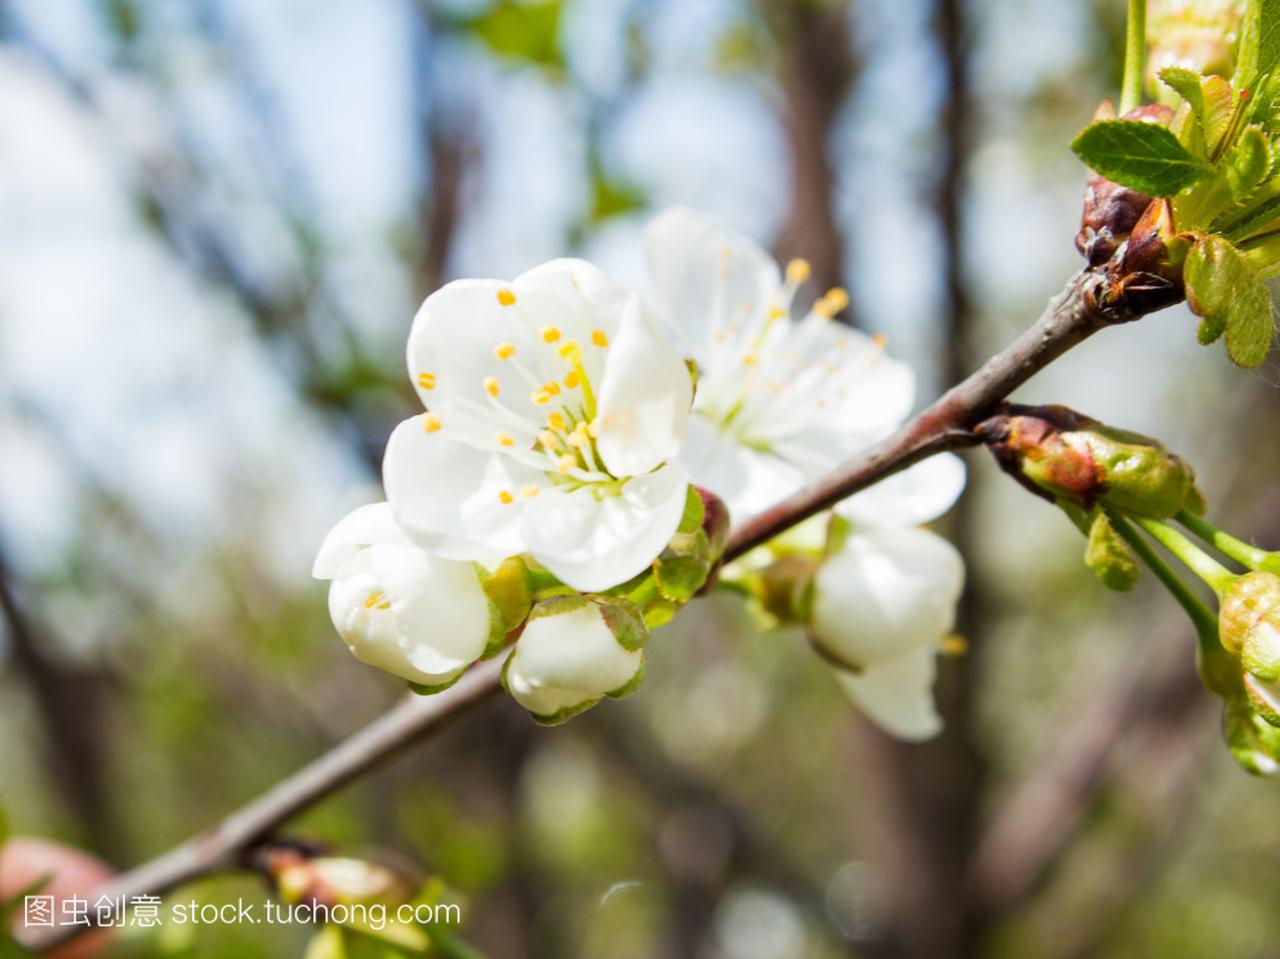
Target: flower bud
point(1111, 211)
point(685, 567)
point(884, 593)
point(400, 608)
point(574, 651)
point(784, 588)
point(303, 874)
point(1248, 618)
point(1062, 455)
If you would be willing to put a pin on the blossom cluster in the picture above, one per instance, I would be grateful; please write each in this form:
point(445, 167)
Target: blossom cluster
point(568, 487)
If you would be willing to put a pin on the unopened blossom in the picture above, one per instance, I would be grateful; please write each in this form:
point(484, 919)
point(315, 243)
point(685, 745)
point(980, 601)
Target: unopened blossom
point(883, 604)
point(782, 400)
point(573, 652)
point(555, 411)
point(398, 607)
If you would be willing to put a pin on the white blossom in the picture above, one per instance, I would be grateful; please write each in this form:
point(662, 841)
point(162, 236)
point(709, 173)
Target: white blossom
point(556, 408)
point(782, 401)
point(398, 607)
point(574, 652)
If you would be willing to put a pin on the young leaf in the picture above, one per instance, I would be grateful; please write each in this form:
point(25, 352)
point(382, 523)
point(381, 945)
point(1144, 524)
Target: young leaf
point(1142, 156)
point(1259, 42)
point(1186, 83)
point(1224, 290)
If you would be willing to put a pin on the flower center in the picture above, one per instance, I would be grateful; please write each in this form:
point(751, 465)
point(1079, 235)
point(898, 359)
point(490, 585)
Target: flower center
point(561, 442)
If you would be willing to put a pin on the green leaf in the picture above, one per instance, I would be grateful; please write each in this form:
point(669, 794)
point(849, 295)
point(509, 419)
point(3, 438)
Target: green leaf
point(1259, 42)
point(528, 31)
point(1186, 83)
point(1226, 292)
point(1142, 156)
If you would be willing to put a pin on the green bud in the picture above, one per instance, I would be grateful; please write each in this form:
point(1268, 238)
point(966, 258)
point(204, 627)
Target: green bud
point(1062, 455)
point(784, 588)
point(1254, 743)
point(1248, 621)
point(1109, 556)
point(686, 566)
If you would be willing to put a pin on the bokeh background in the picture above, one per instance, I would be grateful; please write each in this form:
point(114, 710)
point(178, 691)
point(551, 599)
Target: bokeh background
point(217, 218)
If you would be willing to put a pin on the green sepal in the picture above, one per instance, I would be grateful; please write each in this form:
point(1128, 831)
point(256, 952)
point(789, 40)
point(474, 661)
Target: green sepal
point(1225, 290)
point(556, 605)
point(1109, 557)
point(1145, 157)
point(659, 612)
point(510, 593)
point(1264, 700)
point(694, 511)
point(632, 684)
point(626, 622)
point(839, 530)
point(422, 689)
point(1261, 654)
point(683, 568)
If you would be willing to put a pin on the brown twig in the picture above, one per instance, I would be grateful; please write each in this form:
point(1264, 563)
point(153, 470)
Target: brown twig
point(1070, 318)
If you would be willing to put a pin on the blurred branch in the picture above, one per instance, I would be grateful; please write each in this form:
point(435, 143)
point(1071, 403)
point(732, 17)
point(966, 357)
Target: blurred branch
point(1071, 317)
point(67, 703)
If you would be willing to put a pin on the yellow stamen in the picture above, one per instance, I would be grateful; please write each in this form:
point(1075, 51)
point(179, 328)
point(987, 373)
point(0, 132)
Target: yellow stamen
point(549, 334)
point(599, 338)
point(837, 299)
point(491, 385)
point(798, 270)
point(777, 313)
point(505, 497)
point(548, 440)
point(504, 439)
point(880, 340)
point(750, 360)
point(954, 646)
point(427, 381)
point(431, 422)
point(565, 463)
point(541, 397)
point(529, 491)
point(571, 351)
point(593, 428)
point(556, 421)
point(579, 437)
point(552, 387)
point(504, 351)
point(372, 600)
point(506, 297)
point(571, 379)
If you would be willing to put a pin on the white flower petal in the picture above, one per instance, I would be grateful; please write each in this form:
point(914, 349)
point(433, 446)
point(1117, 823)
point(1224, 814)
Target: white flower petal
point(363, 526)
point(747, 480)
point(568, 659)
point(884, 593)
point(453, 343)
point(446, 495)
point(918, 494)
point(644, 397)
point(593, 543)
point(897, 694)
point(571, 278)
point(409, 613)
point(702, 270)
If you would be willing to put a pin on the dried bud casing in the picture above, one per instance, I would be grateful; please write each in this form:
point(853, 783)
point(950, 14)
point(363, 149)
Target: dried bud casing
point(1063, 455)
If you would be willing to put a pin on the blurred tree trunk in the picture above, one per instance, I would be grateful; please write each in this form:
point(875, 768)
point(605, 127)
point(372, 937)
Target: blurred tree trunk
point(924, 800)
point(69, 705)
point(816, 68)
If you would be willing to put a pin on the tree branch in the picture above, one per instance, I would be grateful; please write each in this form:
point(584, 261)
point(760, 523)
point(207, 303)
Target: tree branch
point(1070, 318)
